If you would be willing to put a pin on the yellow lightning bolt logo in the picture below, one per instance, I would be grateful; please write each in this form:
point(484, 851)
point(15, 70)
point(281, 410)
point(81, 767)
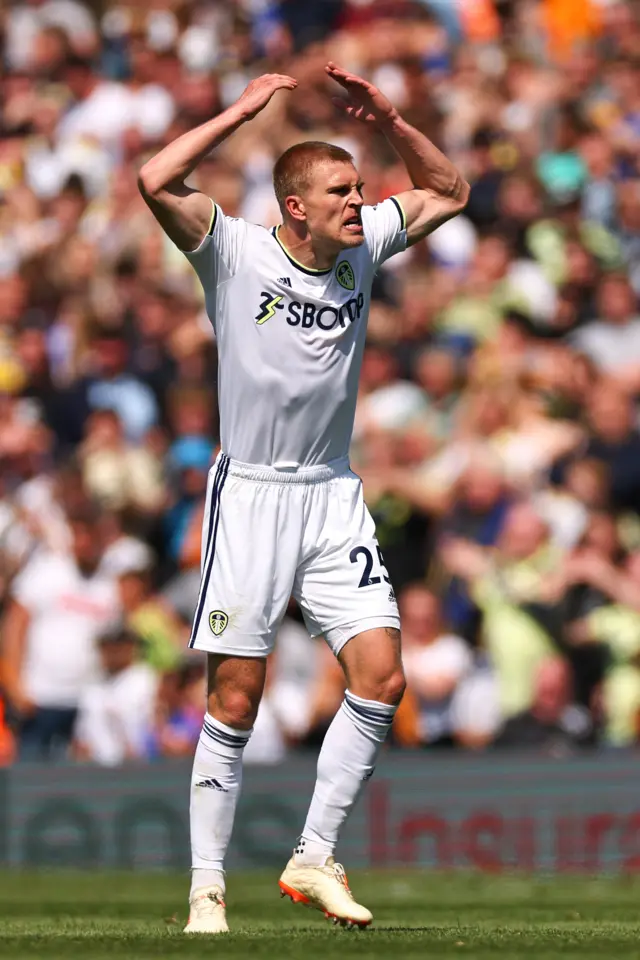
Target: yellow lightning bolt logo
point(268, 308)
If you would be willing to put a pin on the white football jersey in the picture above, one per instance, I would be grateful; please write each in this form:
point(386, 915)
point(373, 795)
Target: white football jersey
point(290, 339)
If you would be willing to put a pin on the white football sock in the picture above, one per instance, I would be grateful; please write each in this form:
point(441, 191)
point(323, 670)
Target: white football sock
point(347, 759)
point(215, 786)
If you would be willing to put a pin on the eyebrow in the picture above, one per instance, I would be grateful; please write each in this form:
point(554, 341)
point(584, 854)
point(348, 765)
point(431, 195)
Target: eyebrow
point(345, 186)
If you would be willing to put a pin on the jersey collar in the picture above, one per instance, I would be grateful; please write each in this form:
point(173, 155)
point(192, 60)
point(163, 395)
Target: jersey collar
point(296, 263)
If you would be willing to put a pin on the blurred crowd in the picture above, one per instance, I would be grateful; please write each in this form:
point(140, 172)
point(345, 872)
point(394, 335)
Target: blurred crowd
point(497, 430)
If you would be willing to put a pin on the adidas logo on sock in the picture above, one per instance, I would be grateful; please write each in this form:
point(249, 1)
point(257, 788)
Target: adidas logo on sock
point(213, 784)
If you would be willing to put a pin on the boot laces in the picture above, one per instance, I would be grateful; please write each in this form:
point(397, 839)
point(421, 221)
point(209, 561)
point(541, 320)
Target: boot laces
point(206, 904)
point(337, 871)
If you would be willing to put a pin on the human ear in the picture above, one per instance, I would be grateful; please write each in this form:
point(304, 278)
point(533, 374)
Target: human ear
point(296, 208)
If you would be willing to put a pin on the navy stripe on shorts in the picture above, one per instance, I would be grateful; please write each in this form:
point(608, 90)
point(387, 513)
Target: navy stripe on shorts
point(210, 552)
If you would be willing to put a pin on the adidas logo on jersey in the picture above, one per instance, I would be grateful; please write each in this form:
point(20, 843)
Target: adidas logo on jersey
point(285, 280)
point(213, 784)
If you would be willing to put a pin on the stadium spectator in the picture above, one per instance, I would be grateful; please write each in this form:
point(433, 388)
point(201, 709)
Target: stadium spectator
point(179, 708)
point(614, 626)
point(115, 711)
point(615, 441)
point(435, 662)
point(112, 387)
point(156, 624)
point(511, 588)
point(613, 340)
point(117, 474)
point(60, 604)
point(553, 724)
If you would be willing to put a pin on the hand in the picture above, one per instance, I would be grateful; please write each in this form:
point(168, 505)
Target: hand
point(259, 92)
point(463, 558)
point(364, 101)
point(587, 566)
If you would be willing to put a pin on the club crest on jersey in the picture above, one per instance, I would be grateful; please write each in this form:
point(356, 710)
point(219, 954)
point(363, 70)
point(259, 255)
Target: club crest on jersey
point(218, 621)
point(345, 275)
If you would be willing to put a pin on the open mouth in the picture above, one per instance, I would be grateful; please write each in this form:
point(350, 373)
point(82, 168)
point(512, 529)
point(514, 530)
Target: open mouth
point(353, 224)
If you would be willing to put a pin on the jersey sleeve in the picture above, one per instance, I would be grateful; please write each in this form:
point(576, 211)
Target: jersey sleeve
point(29, 588)
point(218, 256)
point(385, 229)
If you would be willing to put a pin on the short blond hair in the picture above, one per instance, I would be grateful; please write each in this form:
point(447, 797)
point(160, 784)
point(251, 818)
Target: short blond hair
point(291, 174)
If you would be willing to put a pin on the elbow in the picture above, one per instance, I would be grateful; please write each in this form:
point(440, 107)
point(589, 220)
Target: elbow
point(149, 183)
point(460, 194)
point(145, 181)
point(452, 197)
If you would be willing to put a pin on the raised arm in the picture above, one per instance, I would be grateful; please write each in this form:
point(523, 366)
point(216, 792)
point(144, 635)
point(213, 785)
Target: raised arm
point(185, 214)
point(440, 192)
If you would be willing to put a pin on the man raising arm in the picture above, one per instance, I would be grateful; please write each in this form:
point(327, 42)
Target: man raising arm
point(440, 192)
point(185, 214)
point(284, 514)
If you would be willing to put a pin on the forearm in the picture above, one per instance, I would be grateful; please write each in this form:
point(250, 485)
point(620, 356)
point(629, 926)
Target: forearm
point(604, 577)
point(180, 158)
point(428, 168)
point(13, 645)
point(411, 487)
point(185, 214)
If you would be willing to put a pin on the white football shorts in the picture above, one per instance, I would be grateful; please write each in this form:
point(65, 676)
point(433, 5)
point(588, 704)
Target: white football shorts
point(269, 533)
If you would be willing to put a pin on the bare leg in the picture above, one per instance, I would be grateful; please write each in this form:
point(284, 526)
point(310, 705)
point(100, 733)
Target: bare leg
point(235, 686)
point(373, 668)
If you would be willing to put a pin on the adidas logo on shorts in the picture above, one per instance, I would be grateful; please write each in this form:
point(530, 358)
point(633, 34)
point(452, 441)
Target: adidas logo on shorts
point(392, 595)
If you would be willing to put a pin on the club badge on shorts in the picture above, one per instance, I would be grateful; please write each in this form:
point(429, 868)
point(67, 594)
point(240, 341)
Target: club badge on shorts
point(345, 275)
point(218, 621)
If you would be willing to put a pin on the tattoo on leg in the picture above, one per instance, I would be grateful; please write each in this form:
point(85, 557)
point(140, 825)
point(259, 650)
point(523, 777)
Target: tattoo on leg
point(394, 635)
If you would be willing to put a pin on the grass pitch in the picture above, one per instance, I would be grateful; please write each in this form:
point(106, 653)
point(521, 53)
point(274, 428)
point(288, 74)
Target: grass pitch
point(417, 914)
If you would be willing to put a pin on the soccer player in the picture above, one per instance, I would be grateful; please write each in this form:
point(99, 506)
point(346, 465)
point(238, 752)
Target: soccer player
point(285, 514)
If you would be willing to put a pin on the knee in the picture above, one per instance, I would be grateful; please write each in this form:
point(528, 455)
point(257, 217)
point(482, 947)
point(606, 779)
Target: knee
point(386, 688)
point(393, 687)
point(236, 708)
point(235, 688)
